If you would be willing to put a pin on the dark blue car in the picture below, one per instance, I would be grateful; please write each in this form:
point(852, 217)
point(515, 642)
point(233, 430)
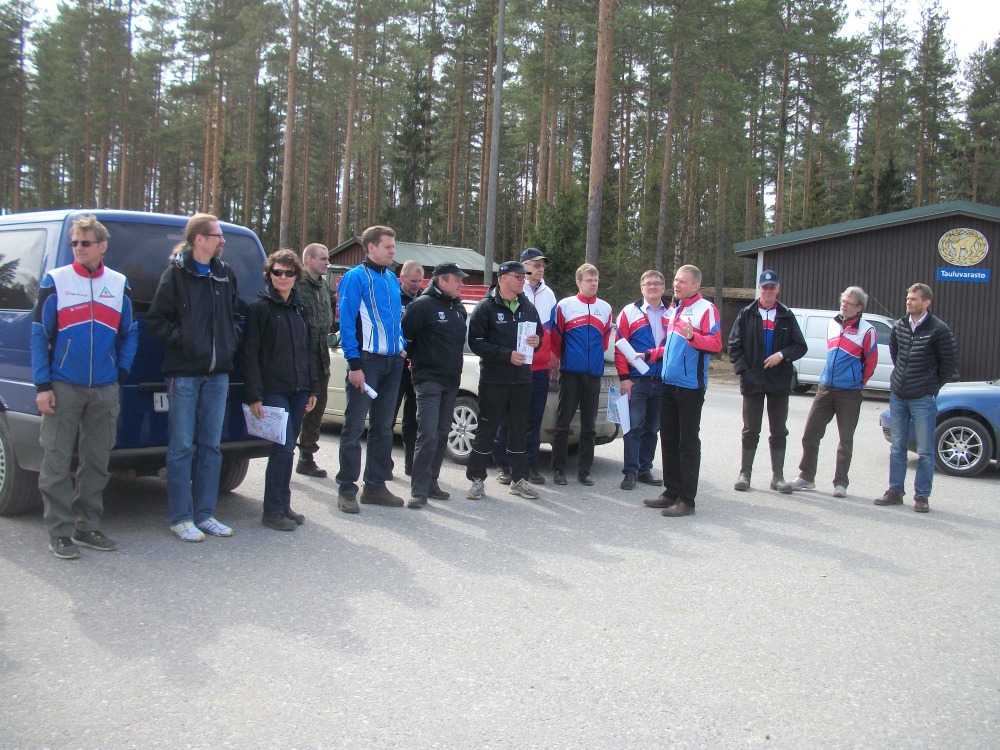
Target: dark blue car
point(32, 244)
point(968, 427)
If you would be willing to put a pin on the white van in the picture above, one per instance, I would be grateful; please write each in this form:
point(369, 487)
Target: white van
point(814, 325)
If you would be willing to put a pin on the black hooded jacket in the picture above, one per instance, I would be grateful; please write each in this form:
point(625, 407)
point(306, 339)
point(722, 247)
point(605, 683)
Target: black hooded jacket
point(277, 356)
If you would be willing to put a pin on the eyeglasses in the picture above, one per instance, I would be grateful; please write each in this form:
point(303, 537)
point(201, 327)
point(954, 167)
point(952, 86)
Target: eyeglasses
point(516, 276)
point(652, 283)
point(287, 274)
point(83, 243)
point(220, 235)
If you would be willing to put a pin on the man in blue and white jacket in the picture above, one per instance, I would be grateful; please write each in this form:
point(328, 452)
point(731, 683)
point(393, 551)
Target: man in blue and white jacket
point(581, 326)
point(83, 341)
point(371, 335)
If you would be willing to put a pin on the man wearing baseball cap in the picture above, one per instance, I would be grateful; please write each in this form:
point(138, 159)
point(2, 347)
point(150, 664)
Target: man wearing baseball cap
point(764, 342)
point(504, 377)
point(544, 300)
point(434, 328)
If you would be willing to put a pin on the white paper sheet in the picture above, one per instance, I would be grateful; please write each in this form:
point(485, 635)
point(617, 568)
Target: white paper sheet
point(270, 427)
point(523, 347)
point(626, 348)
point(624, 415)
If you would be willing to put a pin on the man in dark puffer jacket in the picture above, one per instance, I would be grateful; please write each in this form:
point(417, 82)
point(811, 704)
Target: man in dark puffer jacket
point(924, 353)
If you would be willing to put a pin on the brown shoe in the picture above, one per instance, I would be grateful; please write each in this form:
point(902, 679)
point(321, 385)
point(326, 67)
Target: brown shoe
point(380, 496)
point(920, 504)
point(680, 508)
point(348, 503)
point(660, 501)
point(891, 497)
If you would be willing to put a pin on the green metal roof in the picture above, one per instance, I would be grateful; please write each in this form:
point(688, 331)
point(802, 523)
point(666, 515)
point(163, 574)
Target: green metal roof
point(431, 255)
point(967, 208)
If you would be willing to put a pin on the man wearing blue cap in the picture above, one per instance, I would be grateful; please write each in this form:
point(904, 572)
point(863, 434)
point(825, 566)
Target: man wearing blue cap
point(764, 342)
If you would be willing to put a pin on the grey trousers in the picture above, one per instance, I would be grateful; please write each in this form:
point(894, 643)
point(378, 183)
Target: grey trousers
point(86, 418)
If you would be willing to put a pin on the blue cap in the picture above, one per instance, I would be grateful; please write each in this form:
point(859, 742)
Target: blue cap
point(768, 278)
point(512, 266)
point(532, 253)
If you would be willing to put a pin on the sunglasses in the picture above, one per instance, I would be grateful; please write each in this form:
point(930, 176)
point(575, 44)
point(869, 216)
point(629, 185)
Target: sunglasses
point(287, 274)
point(83, 243)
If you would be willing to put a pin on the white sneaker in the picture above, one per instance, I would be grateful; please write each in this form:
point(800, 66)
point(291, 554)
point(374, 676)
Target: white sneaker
point(186, 531)
point(522, 488)
point(214, 527)
point(840, 491)
point(476, 491)
point(802, 484)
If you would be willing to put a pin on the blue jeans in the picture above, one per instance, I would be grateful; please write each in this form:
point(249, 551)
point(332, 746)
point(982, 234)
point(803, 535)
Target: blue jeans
point(382, 373)
point(194, 459)
point(922, 414)
point(536, 410)
point(644, 412)
point(278, 476)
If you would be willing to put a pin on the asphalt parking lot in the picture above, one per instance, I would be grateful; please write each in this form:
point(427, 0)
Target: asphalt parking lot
point(580, 620)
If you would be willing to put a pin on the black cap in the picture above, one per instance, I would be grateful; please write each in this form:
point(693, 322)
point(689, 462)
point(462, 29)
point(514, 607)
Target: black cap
point(512, 266)
point(532, 253)
point(445, 268)
point(768, 278)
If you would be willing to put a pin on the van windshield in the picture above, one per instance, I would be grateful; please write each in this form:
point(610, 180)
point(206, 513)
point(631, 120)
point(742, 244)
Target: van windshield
point(141, 251)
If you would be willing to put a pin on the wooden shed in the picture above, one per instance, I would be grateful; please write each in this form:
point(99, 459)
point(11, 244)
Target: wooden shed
point(949, 246)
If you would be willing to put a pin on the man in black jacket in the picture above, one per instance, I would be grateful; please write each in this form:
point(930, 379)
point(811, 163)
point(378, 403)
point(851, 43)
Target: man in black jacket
point(195, 312)
point(924, 353)
point(435, 331)
point(764, 342)
point(504, 376)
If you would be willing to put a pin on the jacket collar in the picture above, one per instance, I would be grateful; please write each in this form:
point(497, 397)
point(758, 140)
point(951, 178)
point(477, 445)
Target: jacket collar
point(82, 270)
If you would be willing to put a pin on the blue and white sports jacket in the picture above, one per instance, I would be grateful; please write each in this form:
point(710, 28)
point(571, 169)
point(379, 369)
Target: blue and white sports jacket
point(851, 353)
point(581, 327)
point(370, 313)
point(685, 363)
point(83, 331)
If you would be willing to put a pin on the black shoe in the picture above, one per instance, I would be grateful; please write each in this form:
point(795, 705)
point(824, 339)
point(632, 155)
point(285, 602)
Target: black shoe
point(408, 469)
point(584, 478)
point(646, 477)
point(678, 509)
point(348, 503)
point(307, 466)
point(278, 523)
point(434, 492)
point(628, 483)
point(63, 548)
point(534, 477)
point(503, 474)
point(416, 502)
point(291, 515)
point(559, 477)
point(94, 540)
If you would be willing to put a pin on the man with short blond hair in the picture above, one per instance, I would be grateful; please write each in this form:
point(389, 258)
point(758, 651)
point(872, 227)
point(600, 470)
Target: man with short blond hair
point(83, 342)
point(581, 327)
point(314, 293)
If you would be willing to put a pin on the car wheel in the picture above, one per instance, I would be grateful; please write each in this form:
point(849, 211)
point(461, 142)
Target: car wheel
point(18, 488)
point(963, 447)
point(232, 474)
point(465, 419)
point(798, 387)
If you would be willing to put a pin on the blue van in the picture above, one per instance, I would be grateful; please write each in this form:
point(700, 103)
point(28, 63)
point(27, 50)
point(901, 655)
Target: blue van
point(31, 244)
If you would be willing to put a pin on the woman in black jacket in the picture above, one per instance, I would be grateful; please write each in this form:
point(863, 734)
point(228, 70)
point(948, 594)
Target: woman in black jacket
point(280, 369)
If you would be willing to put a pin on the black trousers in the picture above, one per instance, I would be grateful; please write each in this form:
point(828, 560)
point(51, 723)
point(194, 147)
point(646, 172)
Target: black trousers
point(680, 440)
point(407, 397)
point(496, 402)
point(753, 416)
point(583, 391)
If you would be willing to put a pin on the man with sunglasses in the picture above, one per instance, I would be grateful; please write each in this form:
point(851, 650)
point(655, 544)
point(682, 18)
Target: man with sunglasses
point(196, 314)
point(83, 341)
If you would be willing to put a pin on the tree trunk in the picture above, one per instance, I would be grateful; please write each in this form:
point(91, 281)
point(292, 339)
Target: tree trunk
point(668, 137)
point(289, 158)
point(601, 127)
point(352, 101)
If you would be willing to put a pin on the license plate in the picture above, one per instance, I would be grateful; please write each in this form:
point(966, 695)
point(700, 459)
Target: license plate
point(161, 402)
point(608, 382)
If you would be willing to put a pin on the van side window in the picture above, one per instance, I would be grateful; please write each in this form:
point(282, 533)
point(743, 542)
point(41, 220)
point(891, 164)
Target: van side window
point(816, 327)
point(141, 252)
point(21, 252)
point(881, 330)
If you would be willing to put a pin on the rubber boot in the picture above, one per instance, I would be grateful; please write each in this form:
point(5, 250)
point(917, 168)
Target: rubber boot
point(746, 468)
point(778, 471)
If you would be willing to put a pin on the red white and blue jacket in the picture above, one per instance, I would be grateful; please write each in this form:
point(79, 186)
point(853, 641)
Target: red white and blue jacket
point(685, 363)
point(634, 326)
point(83, 331)
point(581, 328)
point(851, 353)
